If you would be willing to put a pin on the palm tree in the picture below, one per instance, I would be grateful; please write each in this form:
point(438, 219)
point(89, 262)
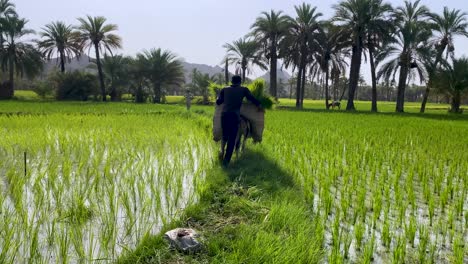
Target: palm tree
point(60, 39)
point(299, 41)
point(380, 29)
point(453, 80)
point(163, 69)
point(244, 53)
point(200, 84)
point(332, 53)
point(354, 16)
point(116, 73)
point(269, 29)
point(94, 33)
point(138, 68)
point(17, 55)
point(7, 9)
point(451, 23)
point(409, 48)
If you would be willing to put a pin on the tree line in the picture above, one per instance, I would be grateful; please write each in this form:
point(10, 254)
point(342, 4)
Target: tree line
point(402, 44)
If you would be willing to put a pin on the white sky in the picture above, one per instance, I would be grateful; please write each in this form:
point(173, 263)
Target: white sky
point(193, 29)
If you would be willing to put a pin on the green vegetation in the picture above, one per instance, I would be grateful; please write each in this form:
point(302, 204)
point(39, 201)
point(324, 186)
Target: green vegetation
point(100, 182)
point(324, 194)
point(95, 178)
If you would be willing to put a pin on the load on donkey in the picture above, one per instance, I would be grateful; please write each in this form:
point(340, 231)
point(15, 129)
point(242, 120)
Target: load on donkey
point(252, 117)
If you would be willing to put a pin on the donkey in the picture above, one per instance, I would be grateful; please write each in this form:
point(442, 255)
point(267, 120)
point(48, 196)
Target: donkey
point(244, 132)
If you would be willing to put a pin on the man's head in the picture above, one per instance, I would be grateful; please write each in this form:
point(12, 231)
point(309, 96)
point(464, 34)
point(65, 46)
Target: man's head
point(236, 80)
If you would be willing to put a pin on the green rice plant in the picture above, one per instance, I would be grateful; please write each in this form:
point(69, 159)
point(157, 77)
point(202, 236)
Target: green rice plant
point(386, 233)
point(433, 252)
point(399, 252)
point(368, 254)
point(431, 209)
point(423, 243)
point(359, 230)
point(410, 230)
point(347, 240)
point(459, 250)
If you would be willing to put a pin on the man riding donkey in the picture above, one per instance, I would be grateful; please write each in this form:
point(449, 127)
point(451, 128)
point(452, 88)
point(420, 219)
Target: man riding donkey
point(231, 100)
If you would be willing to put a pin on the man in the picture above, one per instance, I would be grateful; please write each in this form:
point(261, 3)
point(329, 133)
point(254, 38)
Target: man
point(230, 116)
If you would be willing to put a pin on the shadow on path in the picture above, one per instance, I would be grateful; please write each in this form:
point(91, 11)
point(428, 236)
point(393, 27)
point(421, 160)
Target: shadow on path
point(253, 168)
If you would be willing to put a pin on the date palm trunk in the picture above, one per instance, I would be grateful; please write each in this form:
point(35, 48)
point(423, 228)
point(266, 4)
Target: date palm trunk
point(226, 71)
point(273, 72)
point(354, 75)
point(101, 75)
point(455, 102)
point(157, 93)
point(326, 89)
point(431, 76)
point(303, 86)
point(374, 79)
point(401, 88)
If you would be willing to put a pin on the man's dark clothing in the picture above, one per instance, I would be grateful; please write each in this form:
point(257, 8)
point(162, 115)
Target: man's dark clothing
point(232, 98)
point(230, 118)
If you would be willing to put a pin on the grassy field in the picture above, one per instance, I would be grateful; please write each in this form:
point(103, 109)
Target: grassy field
point(102, 180)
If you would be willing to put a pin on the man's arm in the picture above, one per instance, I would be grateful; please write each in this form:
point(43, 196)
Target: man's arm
point(250, 97)
point(220, 99)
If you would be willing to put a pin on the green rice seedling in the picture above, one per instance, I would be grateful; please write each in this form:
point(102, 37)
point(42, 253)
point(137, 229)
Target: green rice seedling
point(368, 254)
point(399, 252)
point(359, 230)
point(386, 234)
point(423, 243)
point(347, 240)
point(450, 219)
point(459, 249)
point(431, 209)
point(433, 252)
point(444, 199)
point(410, 230)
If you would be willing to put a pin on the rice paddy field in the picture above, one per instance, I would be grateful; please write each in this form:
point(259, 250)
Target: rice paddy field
point(87, 182)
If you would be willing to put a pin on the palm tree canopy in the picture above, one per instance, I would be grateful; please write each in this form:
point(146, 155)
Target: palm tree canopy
point(410, 45)
point(26, 59)
point(381, 22)
point(163, 67)
point(244, 53)
point(302, 35)
point(58, 38)
point(333, 43)
point(116, 69)
point(269, 29)
point(451, 23)
point(14, 28)
point(453, 78)
point(354, 15)
point(7, 8)
point(94, 32)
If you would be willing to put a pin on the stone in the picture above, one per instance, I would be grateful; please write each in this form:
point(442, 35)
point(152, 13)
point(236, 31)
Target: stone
point(184, 240)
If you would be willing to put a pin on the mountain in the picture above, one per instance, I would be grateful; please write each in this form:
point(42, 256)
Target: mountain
point(282, 76)
point(83, 63)
point(77, 63)
point(203, 68)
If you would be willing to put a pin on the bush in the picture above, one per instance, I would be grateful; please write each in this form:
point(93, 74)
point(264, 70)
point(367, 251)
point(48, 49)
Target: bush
point(43, 89)
point(75, 85)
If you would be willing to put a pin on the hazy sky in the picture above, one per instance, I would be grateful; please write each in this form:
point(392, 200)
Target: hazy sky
point(193, 29)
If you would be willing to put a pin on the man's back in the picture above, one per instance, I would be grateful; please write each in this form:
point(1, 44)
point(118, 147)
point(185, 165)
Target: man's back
point(232, 98)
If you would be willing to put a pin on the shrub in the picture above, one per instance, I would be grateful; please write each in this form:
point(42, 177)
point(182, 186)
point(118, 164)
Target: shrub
point(75, 85)
point(43, 88)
